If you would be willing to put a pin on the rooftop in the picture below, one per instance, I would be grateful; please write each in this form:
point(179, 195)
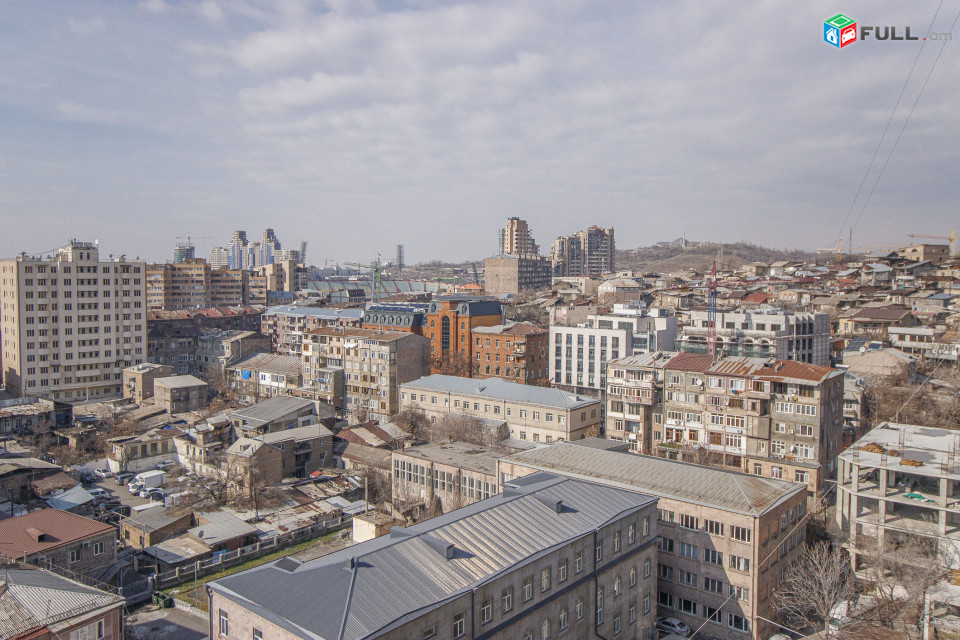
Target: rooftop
point(179, 382)
point(308, 432)
point(219, 526)
point(496, 388)
point(380, 584)
point(270, 363)
point(728, 490)
point(355, 332)
point(930, 450)
point(273, 409)
point(457, 454)
point(46, 529)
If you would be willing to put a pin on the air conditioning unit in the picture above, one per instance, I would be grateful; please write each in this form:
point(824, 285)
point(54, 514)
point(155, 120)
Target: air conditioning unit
point(791, 432)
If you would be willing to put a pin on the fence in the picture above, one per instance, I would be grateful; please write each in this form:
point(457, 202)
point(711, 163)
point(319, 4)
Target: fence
point(263, 547)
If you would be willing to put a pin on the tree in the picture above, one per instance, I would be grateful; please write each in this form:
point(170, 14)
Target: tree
point(812, 586)
point(706, 457)
point(413, 420)
point(451, 363)
point(463, 428)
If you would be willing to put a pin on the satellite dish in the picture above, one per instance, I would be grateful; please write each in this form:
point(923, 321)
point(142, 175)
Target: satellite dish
point(863, 349)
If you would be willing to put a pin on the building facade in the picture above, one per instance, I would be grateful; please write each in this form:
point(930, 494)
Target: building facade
point(516, 239)
point(449, 324)
point(54, 538)
point(585, 253)
point(516, 352)
point(724, 536)
point(509, 274)
point(71, 323)
point(536, 414)
point(548, 556)
point(285, 325)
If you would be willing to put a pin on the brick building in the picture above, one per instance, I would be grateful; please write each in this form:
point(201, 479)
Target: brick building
point(449, 324)
point(50, 537)
point(516, 352)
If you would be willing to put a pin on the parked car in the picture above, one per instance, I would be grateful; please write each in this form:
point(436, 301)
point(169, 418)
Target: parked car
point(123, 477)
point(135, 486)
point(97, 492)
point(144, 493)
point(672, 625)
point(163, 465)
point(103, 474)
point(158, 495)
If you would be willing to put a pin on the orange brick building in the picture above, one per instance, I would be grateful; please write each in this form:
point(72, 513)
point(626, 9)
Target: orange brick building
point(449, 323)
point(516, 352)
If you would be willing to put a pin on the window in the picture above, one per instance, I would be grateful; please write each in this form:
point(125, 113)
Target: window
point(688, 550)
point(633, 576)
point(74, 555)
point(689, 522)
point(616, 542)
point(712, 615)
point(739, 593)
point(562, 571)
point(599, 605)
point(578, 562)
point(98, 548)
point(712, 585)
point(544, 579)
point(527, 589)
point(429, 632)
point(802, 476)
point(578, 609)
point(564, 618)
point(646, 569)
point(646, 526)
point(224, 623)
point(741, 534)
point(713, 527)
point(458, 622)
point(737, 622)
point(616, 624)
point(617, 587)
point(665, 544)
point(631, 533)
point(739, 564)
point(664, 516)
point(646, 603)
point(665, 572)
point(665, 599)
point(506, 599)
point(599, 551)
point(486, 611)
point(712, 556)
point(687, 578)
point(257, 634)
point(688, 606)
point(545, 630)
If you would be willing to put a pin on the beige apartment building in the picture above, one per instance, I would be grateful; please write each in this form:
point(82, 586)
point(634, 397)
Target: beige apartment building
point(777, 418)
point(374, 363)
point(549, 557)
point(71, 323)
point(193, 284)
point(536, 414)
point(455, 473)
point(722, 533)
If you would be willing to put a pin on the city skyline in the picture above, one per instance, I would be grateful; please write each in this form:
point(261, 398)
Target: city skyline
point(356, 126)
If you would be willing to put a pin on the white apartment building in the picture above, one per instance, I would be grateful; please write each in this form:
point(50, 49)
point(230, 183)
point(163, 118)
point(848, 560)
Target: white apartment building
point(765, 333)
point(580, 352)
point(71, 323)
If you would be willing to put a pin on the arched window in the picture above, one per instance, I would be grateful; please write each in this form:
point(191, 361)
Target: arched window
point(578, 609)
point(633, 576)
point(545, 630)
point(617, 586)
point(564, 616)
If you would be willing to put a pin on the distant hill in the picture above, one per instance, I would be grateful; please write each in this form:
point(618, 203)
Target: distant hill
point(673, 257)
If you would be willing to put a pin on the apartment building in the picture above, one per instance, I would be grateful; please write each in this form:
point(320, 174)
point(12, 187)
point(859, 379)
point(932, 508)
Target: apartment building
point(762, 334)
point(401, 316)
point(264, 375)
point(724, 536)
point(55, 538)
point(194, 284)
point(506, 274)
point(453, 473)
point(900, 481)
point(581, 351)
point(548, 557)
point(515, 351)
point(634, 398)
point(516, 239)
point(180, 394)
point(71, 323)
point(138, 380)
point(374, 365)
point(776, 418)
point(303, 450)
point(585, 253)
point(285, 324)
point(537, 414)
point(449, 323)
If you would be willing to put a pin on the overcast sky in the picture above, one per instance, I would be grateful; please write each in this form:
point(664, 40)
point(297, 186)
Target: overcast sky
point(357, 125)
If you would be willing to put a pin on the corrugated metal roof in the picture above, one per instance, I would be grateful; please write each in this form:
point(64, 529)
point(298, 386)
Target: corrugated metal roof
point(37, 598)
point(499, 389)
point(729, 490)
point(272, 409)
point(399, 575)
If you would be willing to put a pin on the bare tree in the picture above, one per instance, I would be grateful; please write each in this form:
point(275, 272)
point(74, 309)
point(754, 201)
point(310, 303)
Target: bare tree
point(706, 457)
point(452, 363)
point(412, 420)
point(218, 478)
point(467, 429)
point(812, 586)
point(378, 485)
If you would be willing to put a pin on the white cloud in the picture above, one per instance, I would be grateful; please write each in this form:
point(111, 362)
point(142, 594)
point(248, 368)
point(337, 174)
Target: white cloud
point(86, 27)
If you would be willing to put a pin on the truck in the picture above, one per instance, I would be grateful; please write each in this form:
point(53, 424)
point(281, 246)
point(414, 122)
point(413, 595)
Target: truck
point(147, 480)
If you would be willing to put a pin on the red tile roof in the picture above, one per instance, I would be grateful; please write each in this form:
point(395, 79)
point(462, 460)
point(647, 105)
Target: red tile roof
point(689, 362)
point(58, 528)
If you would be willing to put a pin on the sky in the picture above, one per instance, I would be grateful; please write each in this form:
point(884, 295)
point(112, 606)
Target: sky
point(360, 124)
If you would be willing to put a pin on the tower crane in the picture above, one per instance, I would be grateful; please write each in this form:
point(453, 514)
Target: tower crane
point(952, 238)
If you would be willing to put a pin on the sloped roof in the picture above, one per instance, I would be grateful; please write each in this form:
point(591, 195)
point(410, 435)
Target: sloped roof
point(729, 490)
point(272, 409)
point(374, 586)
point(34, 599)
point(59, 528)
point(497, 388)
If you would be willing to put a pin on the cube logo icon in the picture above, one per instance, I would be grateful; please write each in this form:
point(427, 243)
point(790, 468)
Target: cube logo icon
point(840, 31)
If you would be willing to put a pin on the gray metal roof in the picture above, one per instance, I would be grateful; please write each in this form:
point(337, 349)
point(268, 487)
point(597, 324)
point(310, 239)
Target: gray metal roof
point(404, 574)
point(499, 389)
point(330, 313)
point(220, 527)
point(729, 490)
point(308, 432)
point(35, 598)
point(272, 409)
point(179, 382)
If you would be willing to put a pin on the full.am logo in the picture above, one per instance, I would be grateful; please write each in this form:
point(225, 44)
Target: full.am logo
point(841, 31)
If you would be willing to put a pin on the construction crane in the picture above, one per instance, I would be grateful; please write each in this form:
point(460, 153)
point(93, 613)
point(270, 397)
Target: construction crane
point(952, 238)
point(854, 250)
point(376, 271)
point(712, 314)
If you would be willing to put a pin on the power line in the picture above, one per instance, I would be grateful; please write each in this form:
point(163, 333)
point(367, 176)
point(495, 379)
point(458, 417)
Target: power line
point(905, 122)
point(770, 555)
point(876, 151)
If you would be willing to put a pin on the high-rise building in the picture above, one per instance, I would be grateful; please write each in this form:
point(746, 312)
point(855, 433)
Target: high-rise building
point(585, 253)
point(516, 239)
point(219, 258)
point(507, 274)
point(71, 323)
point(250, 255)
point(237, 250)
point(184, 251)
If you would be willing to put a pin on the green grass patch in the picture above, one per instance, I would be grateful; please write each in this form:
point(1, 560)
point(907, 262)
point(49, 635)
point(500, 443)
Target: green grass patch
point(186, 593)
